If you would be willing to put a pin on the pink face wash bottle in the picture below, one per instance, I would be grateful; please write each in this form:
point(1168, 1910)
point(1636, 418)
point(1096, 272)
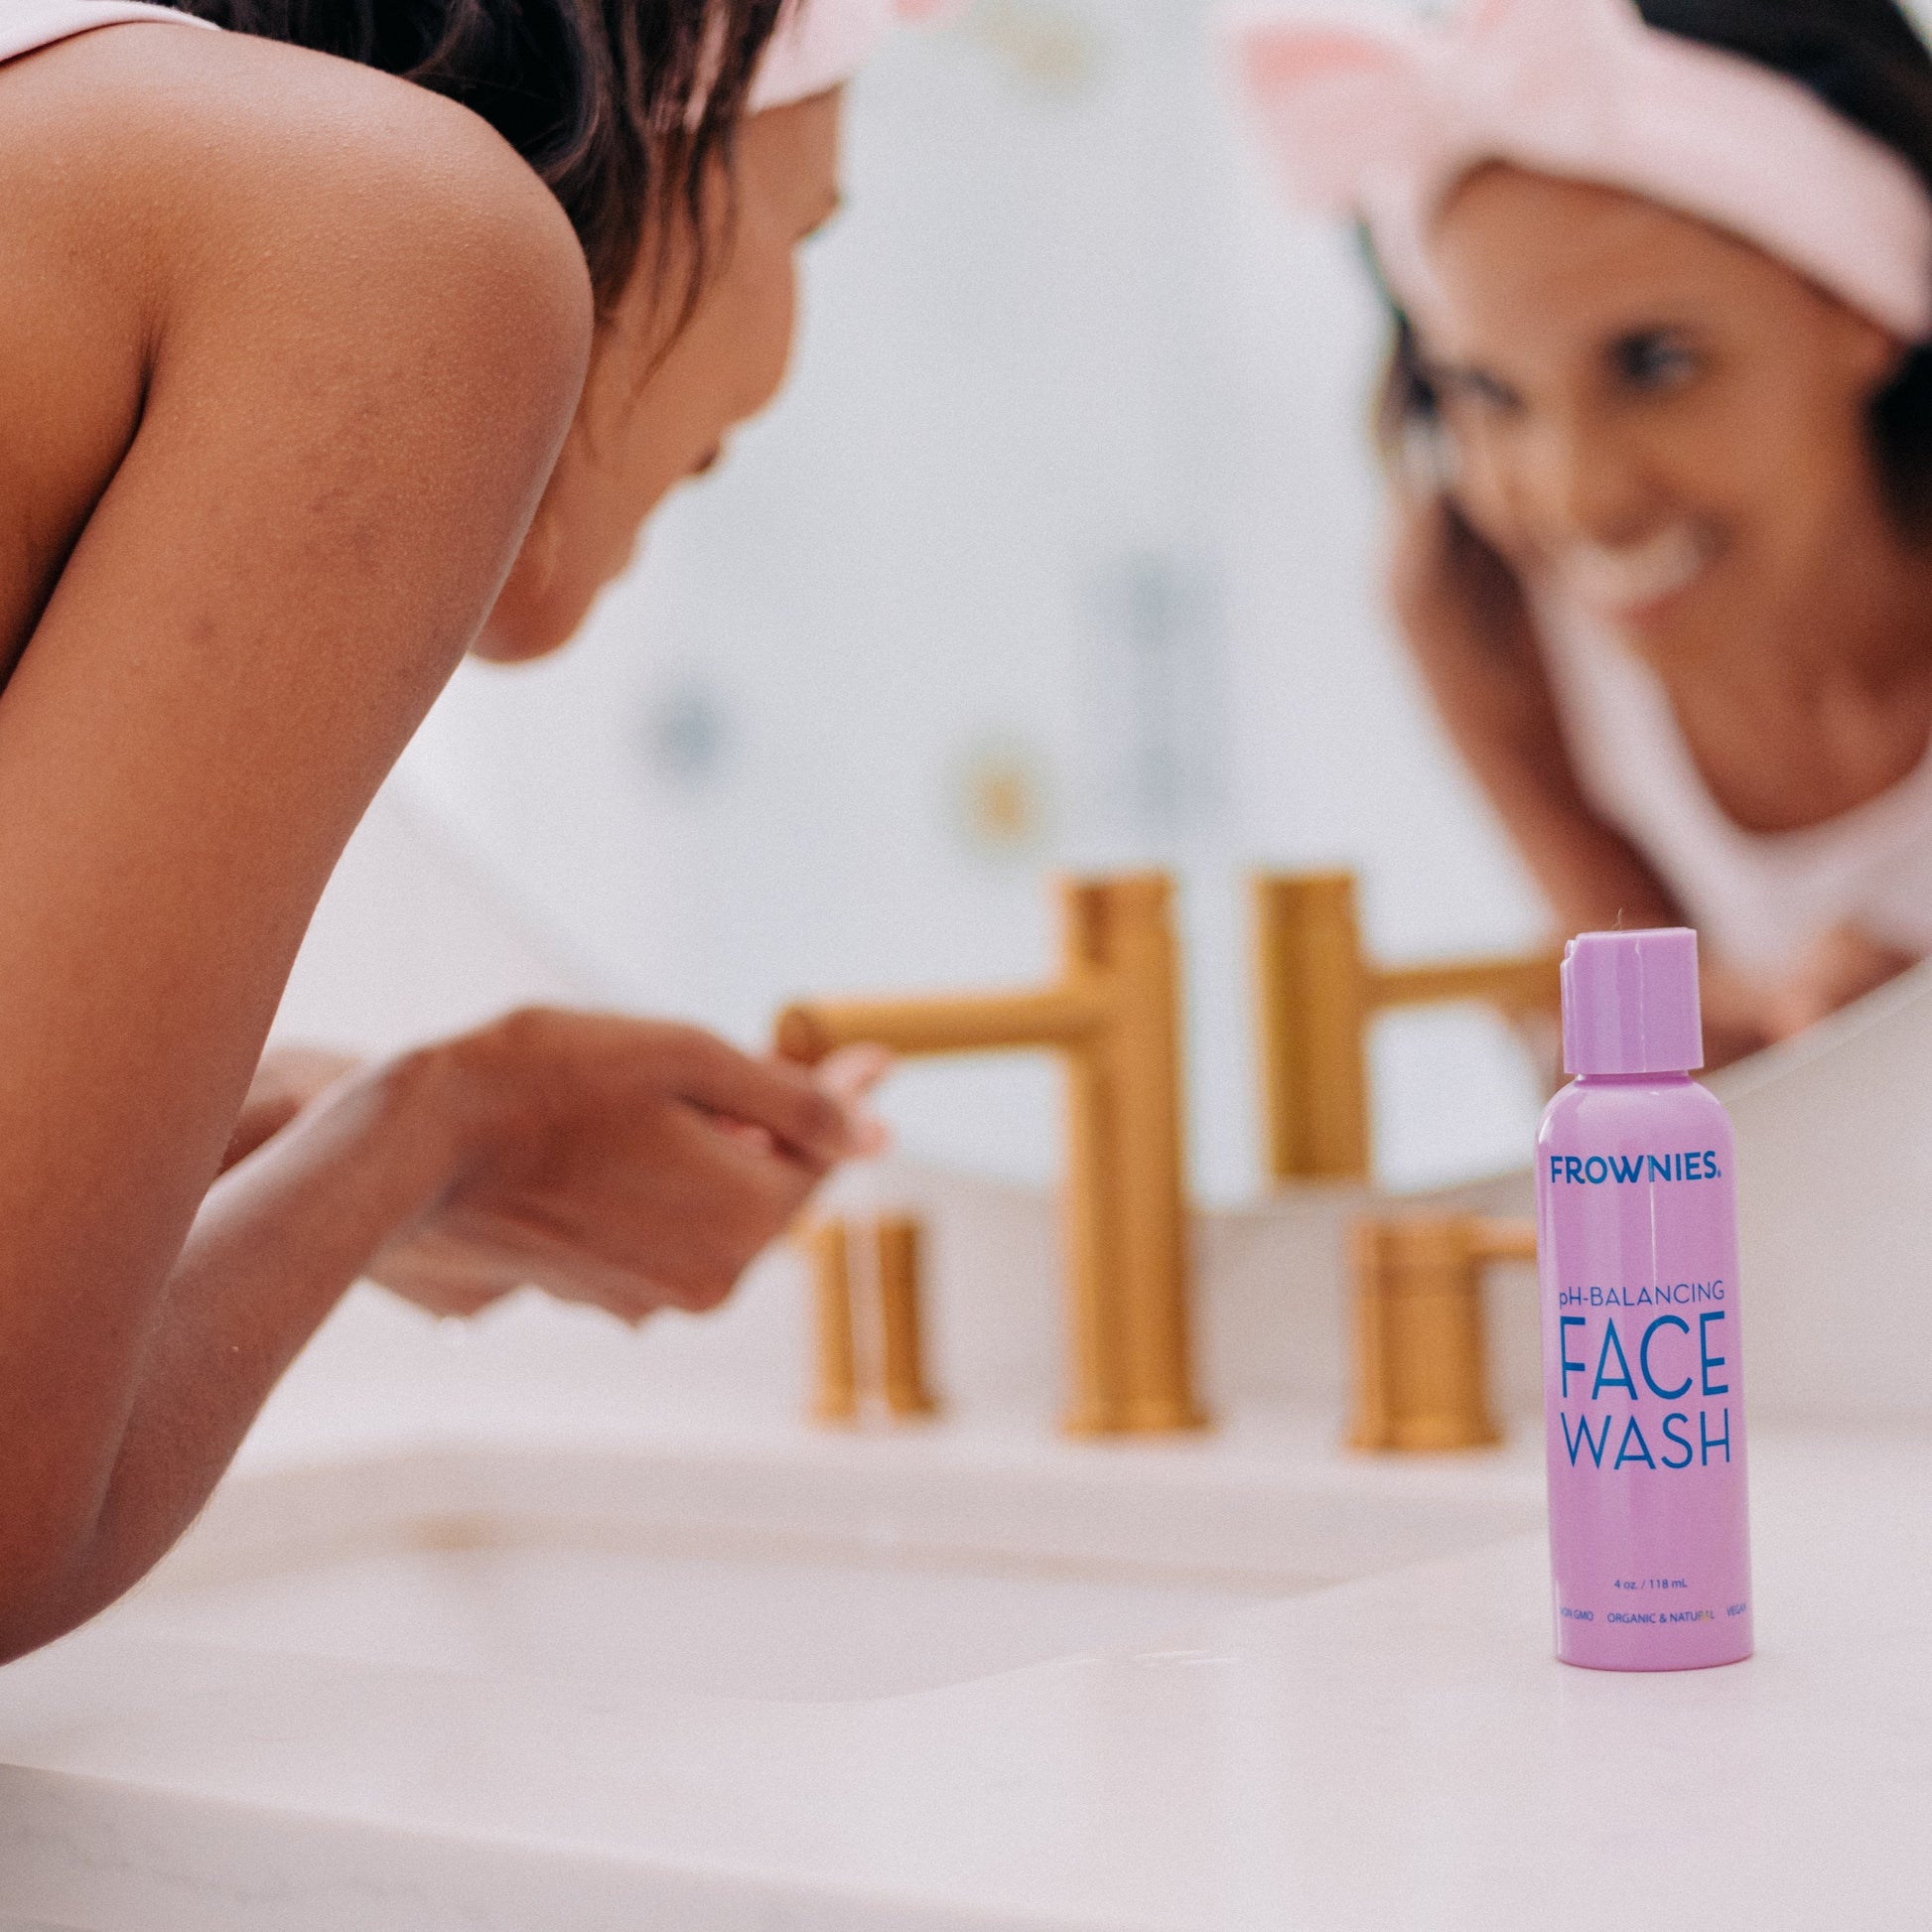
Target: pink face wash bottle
point(1638, 1250)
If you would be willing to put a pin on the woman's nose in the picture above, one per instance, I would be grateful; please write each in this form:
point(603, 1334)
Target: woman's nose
point(1584, 482)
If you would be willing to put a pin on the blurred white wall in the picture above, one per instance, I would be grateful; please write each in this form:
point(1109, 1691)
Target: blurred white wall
point(415, 939)
point(1070, 496)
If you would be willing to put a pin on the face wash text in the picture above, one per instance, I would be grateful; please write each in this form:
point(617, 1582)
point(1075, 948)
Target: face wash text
point(1671, 1357)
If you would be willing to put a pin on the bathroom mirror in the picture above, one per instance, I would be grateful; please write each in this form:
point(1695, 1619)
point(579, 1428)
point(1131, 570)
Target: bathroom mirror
point(1061, 551)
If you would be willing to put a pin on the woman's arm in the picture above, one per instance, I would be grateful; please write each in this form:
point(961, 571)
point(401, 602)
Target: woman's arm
point(357, 326)
point(287, 1081)
point(581, 1151)
point(1473, 639)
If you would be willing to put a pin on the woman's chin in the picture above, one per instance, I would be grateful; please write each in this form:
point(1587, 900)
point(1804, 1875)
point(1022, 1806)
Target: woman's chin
point(1679, 626)
point(552, 588)
point(523, 634)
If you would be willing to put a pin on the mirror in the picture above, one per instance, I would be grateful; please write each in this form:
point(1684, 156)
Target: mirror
point(1060, 551)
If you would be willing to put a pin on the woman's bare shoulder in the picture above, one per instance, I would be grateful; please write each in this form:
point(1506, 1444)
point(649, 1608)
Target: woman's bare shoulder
point(154, 121)
point(165, 190)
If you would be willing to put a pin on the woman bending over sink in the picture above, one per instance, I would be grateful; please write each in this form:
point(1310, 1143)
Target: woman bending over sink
point(334, 345)
point(1660, 425)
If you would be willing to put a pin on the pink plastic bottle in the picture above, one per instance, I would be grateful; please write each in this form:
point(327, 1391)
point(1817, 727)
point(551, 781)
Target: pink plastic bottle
point(1637, 1248)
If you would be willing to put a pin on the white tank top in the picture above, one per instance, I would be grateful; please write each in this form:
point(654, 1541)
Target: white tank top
point(27, 24)
point(1759, 898)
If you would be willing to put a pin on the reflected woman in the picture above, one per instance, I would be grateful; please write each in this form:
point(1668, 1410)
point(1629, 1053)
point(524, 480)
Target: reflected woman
point(337, 339)
point(1659, 419)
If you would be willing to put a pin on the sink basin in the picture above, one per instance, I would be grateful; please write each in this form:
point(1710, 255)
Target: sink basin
point(799, 1569)
point(689, 1613)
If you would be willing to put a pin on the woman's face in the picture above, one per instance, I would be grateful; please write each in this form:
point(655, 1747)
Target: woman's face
point(1654, 421)
point(657, 408)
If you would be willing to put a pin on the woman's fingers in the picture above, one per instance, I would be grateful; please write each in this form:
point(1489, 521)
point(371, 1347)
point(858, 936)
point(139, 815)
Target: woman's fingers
point(1842, 967)
point(850, 1077)
point(303, 1072)
point(669, 1211)
point(627, 1163)
point(737, 1196)
point(804, 1117)
point(853, 1072)
point(287, 1079)
point(452, 1276)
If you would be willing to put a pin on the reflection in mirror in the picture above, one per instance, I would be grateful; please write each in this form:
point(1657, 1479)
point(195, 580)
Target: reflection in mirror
point(1060, 550)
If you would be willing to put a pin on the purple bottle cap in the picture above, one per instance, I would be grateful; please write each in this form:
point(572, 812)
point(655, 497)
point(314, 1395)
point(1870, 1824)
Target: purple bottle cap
point(1630, 1003)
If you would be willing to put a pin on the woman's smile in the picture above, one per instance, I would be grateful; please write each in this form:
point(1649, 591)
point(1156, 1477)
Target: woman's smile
point(1635, 585)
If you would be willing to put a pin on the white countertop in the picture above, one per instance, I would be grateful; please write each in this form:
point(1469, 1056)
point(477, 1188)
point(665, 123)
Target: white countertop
point(1390, 1753)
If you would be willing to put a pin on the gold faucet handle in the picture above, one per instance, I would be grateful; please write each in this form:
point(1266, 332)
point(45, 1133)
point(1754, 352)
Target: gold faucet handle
point(1503, 1240)
point(827, 1246)
point(1422, 1380)
point(897, 1245)
point(846, 1261)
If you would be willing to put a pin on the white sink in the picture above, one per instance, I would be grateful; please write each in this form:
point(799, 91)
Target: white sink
point(802, 1568)
point(680, 1612)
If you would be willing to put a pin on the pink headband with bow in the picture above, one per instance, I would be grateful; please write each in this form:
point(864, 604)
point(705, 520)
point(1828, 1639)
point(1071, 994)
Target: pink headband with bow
point(822, 43)
point(1383, 125)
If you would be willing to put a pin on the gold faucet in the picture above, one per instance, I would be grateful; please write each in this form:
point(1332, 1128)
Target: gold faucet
point(842, 1372)
point(1112, 1014)
point(827, 1247)
point(1421, 1375)
point(1319, 992)
point(896, 1246)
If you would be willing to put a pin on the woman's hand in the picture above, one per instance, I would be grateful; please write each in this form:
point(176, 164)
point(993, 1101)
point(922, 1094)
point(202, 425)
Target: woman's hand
point(627, 1163)
point(1843, 966)
point(1744, 1015)
point(285, 1081)
point(1449, 590)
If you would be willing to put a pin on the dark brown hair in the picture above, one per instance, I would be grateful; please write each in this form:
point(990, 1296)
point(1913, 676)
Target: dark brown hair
point(621, 105)
point(1865, 59)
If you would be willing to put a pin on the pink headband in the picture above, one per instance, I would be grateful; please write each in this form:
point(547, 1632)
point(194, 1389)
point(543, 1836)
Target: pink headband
point(822, 43)
point(1384, 125)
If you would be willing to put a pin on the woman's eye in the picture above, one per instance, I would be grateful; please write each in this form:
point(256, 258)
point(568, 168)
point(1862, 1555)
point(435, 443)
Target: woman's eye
point(1476, 389)
point(1654, 360)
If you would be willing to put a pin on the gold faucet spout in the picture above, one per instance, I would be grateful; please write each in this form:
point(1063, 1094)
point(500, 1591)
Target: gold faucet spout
point(1052, 1016)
